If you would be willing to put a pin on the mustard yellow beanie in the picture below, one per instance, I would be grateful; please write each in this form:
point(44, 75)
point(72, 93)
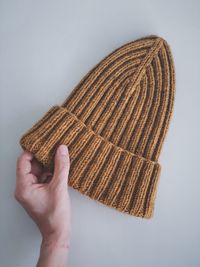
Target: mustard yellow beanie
point(114, 123)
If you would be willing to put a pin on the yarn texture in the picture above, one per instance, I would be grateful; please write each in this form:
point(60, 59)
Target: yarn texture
point(114, 123)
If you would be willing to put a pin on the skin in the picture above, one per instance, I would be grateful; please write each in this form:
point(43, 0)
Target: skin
point(45, 197)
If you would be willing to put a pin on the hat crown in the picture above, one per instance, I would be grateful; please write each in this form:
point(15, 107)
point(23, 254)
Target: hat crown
point(127, 98)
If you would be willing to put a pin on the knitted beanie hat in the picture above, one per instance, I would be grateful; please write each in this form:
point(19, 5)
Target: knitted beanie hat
point(114, 123)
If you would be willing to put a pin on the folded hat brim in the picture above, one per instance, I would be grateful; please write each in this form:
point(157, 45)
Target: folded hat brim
point(98, 169)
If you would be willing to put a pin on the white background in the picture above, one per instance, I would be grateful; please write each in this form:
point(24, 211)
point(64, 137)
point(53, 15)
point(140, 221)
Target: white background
point(45, 49)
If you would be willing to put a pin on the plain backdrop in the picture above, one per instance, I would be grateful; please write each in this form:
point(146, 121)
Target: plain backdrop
point(45, 49)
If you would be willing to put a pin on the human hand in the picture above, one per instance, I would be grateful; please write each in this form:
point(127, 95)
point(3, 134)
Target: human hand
point(45, 196)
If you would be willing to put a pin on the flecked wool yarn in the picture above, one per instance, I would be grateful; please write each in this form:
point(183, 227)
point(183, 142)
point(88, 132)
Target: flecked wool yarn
point(114, 123)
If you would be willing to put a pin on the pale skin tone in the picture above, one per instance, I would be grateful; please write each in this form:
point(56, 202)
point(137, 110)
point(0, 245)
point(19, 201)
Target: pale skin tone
point(45, 197)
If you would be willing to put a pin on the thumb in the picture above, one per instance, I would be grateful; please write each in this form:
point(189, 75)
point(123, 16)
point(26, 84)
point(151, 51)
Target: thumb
point(61, 164)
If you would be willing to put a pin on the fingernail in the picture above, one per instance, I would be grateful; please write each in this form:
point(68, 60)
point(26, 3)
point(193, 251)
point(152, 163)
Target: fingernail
point(63, 150)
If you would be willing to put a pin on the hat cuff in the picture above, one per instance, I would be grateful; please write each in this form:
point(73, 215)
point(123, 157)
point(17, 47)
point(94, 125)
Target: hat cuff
point(98, 168)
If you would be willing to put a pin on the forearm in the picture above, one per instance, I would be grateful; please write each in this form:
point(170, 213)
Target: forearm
point(53, 252)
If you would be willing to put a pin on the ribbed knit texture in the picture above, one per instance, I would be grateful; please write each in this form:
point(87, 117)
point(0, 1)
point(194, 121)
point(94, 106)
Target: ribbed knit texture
point(114, 123)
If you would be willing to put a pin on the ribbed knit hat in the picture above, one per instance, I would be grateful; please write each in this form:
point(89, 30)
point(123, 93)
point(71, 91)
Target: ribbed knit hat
point(114, 123)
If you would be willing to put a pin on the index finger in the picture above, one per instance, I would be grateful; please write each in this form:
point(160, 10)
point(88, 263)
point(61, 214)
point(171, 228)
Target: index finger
point(24, 164)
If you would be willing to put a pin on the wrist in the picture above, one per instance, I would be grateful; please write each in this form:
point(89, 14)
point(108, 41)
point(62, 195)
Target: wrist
point(53, 251)
point(55, 240)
